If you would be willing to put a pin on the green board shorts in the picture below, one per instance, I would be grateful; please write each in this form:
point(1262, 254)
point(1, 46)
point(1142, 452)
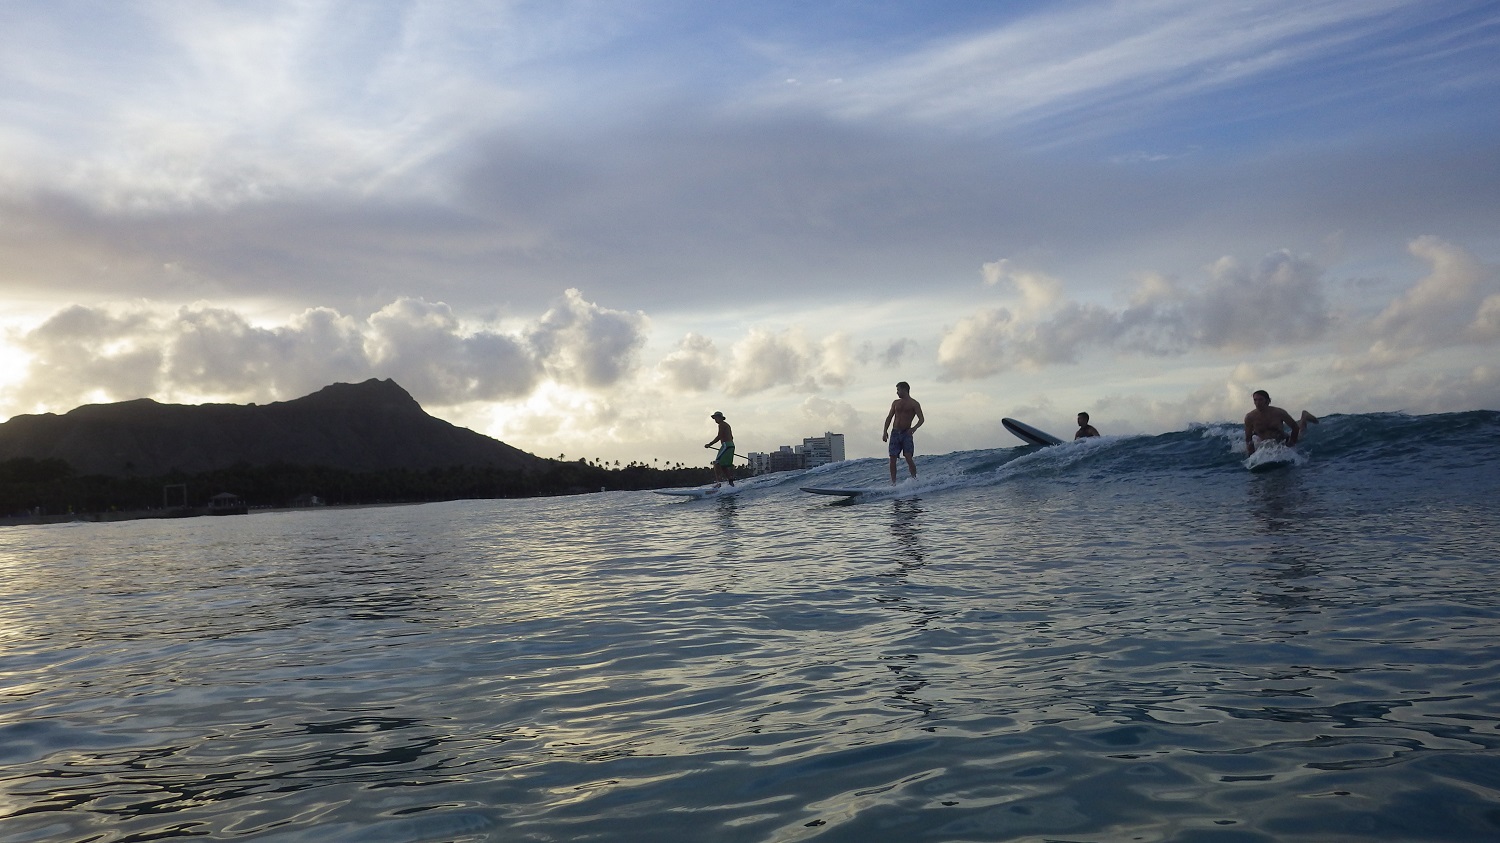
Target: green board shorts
point(726, 456)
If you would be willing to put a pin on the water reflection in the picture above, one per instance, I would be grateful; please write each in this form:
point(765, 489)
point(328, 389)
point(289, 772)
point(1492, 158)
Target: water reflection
point(581, 668)
point(1289, 576)
point(1277, 500)
point(387, 575)
point(1280, 504)
point(906, 528)
point(727, 514)
point(261, 761)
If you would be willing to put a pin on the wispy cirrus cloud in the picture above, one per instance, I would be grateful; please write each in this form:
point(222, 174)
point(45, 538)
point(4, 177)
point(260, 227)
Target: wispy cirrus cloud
point(1093, 67)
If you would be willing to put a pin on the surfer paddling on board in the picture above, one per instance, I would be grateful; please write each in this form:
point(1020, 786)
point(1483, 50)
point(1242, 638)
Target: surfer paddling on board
point(1270, 424)
point(1085, 430)
point(724, 462)
point(899, 428)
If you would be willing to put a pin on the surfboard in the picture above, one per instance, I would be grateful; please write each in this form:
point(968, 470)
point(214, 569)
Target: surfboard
point(845, 493)
point(1029, 434)
point(701, 493)
point(1271, 455)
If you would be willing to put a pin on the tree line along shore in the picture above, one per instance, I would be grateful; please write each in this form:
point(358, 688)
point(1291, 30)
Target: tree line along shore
point(43, 490)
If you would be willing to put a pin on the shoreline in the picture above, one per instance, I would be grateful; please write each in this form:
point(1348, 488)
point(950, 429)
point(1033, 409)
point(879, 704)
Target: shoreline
point(149, 514)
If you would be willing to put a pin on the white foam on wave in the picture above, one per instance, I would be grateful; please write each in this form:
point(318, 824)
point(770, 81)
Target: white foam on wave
point(1270, 454)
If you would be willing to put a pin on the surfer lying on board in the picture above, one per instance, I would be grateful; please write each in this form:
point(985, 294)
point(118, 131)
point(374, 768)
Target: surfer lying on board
point(1270, 424)
point(724, 462)
point(899, 429)
point(1085, 429)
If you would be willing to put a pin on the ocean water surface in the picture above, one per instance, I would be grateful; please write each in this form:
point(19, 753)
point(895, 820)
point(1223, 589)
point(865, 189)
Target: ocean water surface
point(1125, 639)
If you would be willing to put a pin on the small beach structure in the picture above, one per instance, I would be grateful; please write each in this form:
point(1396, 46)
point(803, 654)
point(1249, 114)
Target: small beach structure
point(227, 503)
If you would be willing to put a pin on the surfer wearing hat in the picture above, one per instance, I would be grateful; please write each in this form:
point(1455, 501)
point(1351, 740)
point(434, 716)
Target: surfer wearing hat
point(1270, 424)
point(899, 428)
point(724, 462)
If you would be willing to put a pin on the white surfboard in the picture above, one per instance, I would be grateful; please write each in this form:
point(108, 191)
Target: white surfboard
point(702, 492)
point(844, 493)
point(1029, 434)
point(1270, 455)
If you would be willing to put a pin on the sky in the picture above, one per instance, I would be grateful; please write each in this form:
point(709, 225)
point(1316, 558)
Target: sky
point(582, 226)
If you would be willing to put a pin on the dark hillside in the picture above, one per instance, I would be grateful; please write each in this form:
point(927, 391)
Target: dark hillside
point(365, 427)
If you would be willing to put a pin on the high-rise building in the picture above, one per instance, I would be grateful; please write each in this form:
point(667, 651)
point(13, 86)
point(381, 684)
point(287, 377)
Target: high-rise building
point(824, 449)
point(784, 458)
point(820, 450)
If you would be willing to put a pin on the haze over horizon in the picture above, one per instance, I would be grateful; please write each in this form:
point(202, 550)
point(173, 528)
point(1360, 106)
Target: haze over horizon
point(582, 227)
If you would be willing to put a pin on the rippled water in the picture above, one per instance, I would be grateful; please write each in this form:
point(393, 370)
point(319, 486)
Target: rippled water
point(1071, 652)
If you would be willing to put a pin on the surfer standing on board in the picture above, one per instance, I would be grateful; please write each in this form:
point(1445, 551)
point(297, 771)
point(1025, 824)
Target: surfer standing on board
point(724, 462)
point(1085, 429)
point(1269, 424)
point(899, 428)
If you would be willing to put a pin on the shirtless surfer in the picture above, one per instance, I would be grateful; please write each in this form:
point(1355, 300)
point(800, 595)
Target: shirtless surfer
point(899, 428)
point(1270, 424)
point(724, 462)
point(1085, 430)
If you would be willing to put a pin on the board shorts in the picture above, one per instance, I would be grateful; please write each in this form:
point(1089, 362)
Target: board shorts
point(902, 442)
point(726, 455)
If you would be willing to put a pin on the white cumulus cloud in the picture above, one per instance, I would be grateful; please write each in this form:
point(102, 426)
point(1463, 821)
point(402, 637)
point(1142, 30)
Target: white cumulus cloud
point(1279, 301)
point(122, 352)
point(691, 366)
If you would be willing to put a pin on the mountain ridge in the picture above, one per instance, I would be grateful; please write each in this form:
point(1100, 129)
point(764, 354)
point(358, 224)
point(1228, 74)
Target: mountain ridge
point(370, 426)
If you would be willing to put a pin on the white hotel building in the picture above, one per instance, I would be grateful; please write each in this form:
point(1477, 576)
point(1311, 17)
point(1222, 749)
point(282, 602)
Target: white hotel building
point(813, 452)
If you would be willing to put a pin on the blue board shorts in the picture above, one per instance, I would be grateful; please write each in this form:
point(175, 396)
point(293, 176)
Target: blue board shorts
point(726, 456)
point(902, 442)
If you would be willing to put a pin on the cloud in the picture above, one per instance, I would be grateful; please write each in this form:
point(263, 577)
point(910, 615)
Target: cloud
point(340, 154)
point(119, 353)
point(763, 360)
point(976, 346)
point(1247, 377)
point(692, 366)
point(217, 351)
point(1239, 309)
point(1456, 304)
point(1414, 391)
point(766, 359)
point(583, 343)
point(836, 361)
point(1038, 291)
point(1486, 325)
point(1092, 64)
point(1279, 301)
point(212, 106)
point(829, 414)
point(424, 347)
point(80, 352)
point(896, 351)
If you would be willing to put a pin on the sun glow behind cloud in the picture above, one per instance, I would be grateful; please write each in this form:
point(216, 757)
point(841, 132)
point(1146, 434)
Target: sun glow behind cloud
point(13, 365)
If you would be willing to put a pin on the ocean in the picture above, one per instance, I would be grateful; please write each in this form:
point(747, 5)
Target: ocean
point(1133, 638)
